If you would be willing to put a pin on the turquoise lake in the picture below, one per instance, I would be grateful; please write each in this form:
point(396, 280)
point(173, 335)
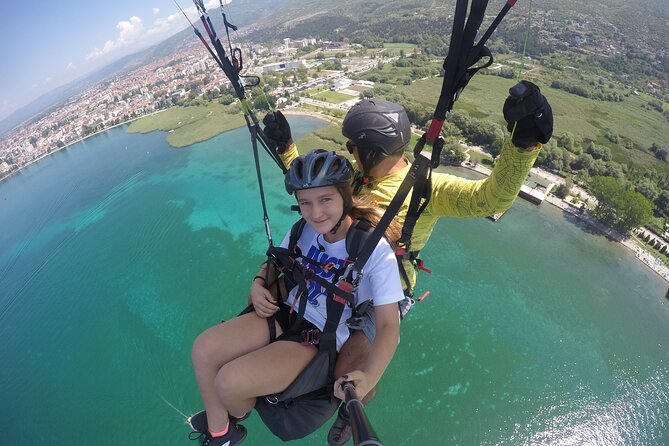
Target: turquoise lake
point(117, 251)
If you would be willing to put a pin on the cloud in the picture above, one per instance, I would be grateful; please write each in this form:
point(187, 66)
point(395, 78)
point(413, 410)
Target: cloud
point(71, 67)
point(164, 27)
point(130, 32)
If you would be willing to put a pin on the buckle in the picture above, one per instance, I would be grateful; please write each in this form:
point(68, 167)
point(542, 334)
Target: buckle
point(355, 323)
point(310, 337)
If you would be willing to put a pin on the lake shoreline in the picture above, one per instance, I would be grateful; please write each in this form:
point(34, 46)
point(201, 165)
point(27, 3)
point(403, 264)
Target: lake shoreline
point(628, 242)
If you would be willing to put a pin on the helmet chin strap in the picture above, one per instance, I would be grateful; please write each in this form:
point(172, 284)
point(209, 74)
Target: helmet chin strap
point(338, 225)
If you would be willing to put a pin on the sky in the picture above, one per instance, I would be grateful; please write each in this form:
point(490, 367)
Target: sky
point(45, 44)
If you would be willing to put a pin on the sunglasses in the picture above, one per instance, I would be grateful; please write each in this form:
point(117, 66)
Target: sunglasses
point(350, 146)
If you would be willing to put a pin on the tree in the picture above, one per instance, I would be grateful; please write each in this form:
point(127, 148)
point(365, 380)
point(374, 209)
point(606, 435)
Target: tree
point(263, 102)
point(301, 74)
point(486, 134)
point(450, 129)
point(567, 141)
point(417, 112)
point(582, 162)
point(451, 153)
point(615, 170)
point(334, 64)
point(598, 168)
point(553, 157)
point(617, 207)
point(662, 203)
point(647, 188)
point(660, 152)
point(561, 191)
point(599, 152)
point(226, 99)
point(272, 82)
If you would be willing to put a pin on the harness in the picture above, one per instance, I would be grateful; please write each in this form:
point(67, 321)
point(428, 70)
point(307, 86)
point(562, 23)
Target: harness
point(298, 269)
point(309, 401)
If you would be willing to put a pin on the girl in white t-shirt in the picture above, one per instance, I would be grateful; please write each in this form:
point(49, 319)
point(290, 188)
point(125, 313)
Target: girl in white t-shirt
point(235, 362)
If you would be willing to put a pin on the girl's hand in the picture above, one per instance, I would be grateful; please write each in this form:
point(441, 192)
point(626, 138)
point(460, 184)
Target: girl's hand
point(263, 301)
point(359, 380)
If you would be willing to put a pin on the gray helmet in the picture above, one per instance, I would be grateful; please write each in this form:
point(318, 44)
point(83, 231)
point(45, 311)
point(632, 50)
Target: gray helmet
point(378, 128)
point(318, 168)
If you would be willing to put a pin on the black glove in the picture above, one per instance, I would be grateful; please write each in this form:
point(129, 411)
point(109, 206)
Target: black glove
point(530, 112)
point(277, 131)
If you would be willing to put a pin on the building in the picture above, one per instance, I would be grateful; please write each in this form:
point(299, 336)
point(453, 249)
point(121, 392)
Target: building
point(341, 83)
point(282, 66)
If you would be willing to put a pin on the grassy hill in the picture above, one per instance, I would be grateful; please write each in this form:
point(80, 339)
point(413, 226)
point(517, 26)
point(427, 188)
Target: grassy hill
point(587, 119)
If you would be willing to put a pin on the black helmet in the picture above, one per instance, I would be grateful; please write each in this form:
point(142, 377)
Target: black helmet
point(318, 168)
point(378, 128)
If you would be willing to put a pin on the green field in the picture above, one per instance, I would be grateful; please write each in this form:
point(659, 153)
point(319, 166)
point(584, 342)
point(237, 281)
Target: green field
point(393, 49)
point(188, 125)
point(328, 138)
point(586, 119)
point(333, 97)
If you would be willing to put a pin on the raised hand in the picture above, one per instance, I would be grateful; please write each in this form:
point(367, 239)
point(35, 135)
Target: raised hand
point(277, 131)
point(531, 114)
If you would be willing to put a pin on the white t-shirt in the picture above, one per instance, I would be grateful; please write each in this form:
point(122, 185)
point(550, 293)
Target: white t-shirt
point(380, 280)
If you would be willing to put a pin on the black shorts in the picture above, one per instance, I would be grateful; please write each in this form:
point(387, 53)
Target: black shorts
point(283, 318)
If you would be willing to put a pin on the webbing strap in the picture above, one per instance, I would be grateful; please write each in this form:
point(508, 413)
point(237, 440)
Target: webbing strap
point(336, 297)
point(420, 197)
point(463, 54)
point(450, 64)
point(328, 338)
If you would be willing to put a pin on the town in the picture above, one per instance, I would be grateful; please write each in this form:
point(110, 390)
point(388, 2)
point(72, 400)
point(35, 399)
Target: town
point(189, 72)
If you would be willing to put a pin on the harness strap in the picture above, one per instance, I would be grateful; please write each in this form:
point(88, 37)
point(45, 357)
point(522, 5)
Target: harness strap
point(328, 338)
point(420, 197)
